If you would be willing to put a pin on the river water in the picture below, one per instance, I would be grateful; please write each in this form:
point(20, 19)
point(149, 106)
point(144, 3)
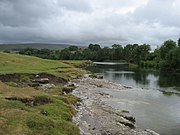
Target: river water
point(146, 101)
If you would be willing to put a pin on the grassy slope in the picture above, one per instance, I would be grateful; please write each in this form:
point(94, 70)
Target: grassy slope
point(17, 118)
point(14, 63)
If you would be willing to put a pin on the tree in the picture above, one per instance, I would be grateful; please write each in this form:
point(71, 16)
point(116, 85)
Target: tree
point(103, 54)
point(88, 54)
point(117, 52)
point(94, 47)
point(179, 42)
point(116, 46)
point(173, 59)
point(73, 48)
point(65, 54)
point(166, 47)
point(129, 52)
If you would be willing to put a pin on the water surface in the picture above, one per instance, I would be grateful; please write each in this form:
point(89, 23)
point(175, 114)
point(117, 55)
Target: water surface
point(151, 107)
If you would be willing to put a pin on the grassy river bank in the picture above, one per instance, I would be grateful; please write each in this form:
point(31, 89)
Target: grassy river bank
point(32, 99)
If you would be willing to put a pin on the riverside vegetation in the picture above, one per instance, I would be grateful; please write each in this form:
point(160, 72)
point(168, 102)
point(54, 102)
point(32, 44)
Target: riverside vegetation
point(28, 108)
point(166, 57)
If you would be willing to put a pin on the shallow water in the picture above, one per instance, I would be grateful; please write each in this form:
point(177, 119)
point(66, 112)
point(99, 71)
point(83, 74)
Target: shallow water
point(151, 107)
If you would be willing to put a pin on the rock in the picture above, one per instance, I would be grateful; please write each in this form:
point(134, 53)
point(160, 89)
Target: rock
point(44, 113)
point(31, 104)
point(95, 117)
point(37, 76)
point(100, 77)
point(151, 132)
point(128, 87)
point(41, 81)
point(68, 89)
point(47, 86)
point(71, 85)
point(125, 121)
point(34, 84)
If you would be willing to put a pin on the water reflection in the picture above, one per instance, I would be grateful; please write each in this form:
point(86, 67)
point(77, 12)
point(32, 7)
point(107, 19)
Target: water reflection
point(167, 80)
point(136, 77)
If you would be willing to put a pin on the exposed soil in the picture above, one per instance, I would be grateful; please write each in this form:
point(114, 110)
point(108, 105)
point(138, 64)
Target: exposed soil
point(34, 101)
point(19, 78)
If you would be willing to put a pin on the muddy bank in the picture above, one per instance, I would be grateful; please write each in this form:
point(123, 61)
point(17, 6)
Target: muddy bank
point(95, 117)
point(42, 80)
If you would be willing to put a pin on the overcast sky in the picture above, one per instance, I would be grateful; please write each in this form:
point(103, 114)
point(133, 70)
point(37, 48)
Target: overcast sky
point(89, 21)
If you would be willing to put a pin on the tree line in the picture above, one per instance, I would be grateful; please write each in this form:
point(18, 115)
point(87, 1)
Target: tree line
point(165, 57)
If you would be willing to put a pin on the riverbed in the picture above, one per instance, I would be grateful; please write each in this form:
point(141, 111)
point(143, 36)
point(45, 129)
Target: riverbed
point(95, 116)
point(153, 100)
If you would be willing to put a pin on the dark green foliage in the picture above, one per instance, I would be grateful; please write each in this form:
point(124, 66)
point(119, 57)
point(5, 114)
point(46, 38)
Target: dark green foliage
point(166, 57)
point(117, 52)
point(166, 47)
point(43, 53)
point(6, 51)
point(95, 47)
point(73, 48)
point(179, 42)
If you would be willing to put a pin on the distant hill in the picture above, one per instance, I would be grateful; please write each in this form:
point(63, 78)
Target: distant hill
point(17, 47)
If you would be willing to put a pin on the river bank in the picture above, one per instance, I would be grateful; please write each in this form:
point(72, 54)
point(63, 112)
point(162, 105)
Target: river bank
point(95, 117)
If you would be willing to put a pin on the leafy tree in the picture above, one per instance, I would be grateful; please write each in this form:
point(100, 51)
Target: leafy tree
point(88, 54)
point(166, 47)
point(179, 42)
point(129, 52)
point(166, 57)
point(103, 54)
point(173, 58)
point(94, 47)
point(117, 52)
point(65, 54)
point(73, 48)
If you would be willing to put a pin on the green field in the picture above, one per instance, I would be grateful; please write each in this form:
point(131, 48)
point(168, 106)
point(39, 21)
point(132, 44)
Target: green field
point(16, 117)
point(14, 63)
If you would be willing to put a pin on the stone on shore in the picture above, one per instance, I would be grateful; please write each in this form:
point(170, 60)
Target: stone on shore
point(95, 117)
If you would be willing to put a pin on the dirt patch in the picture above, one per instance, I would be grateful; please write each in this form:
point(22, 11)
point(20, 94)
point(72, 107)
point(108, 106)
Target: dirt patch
point(20, 78)
point(27, 101)
point(34, 101)
point(53, 79)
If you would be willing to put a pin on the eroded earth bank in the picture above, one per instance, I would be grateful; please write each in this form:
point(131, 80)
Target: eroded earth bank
point(95, 117)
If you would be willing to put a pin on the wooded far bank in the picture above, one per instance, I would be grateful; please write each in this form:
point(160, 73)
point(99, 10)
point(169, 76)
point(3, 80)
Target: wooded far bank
point(166, 57)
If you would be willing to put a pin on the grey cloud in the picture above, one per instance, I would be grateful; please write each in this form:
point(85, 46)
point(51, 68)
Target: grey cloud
point(165, 12)
point(89, 21)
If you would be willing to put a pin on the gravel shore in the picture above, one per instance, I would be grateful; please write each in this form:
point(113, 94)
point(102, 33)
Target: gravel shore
point(95, 117)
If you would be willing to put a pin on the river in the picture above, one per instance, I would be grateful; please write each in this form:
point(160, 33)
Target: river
point(151, 100)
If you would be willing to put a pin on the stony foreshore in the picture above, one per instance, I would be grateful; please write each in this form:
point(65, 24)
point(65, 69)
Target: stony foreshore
point(95, 117)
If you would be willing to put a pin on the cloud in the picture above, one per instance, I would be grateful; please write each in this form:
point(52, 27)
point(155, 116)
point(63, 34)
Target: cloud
point(89, 21)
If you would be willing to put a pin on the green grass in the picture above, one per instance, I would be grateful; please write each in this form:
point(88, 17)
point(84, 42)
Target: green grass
point(14, 63)
point(133, 66)
point(16, 117)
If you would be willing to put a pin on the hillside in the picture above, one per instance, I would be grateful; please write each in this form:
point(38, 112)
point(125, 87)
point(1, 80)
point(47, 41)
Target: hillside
point(14, 63)
point(27, 105)
point(17, 47)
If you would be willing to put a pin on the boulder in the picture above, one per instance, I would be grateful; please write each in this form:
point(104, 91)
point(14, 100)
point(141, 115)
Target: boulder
point(41, 81)
point(100, 77)
point(34, 84)
point(47, 86)
point(151, 132)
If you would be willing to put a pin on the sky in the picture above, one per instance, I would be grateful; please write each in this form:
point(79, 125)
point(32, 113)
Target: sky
point(82, 22)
